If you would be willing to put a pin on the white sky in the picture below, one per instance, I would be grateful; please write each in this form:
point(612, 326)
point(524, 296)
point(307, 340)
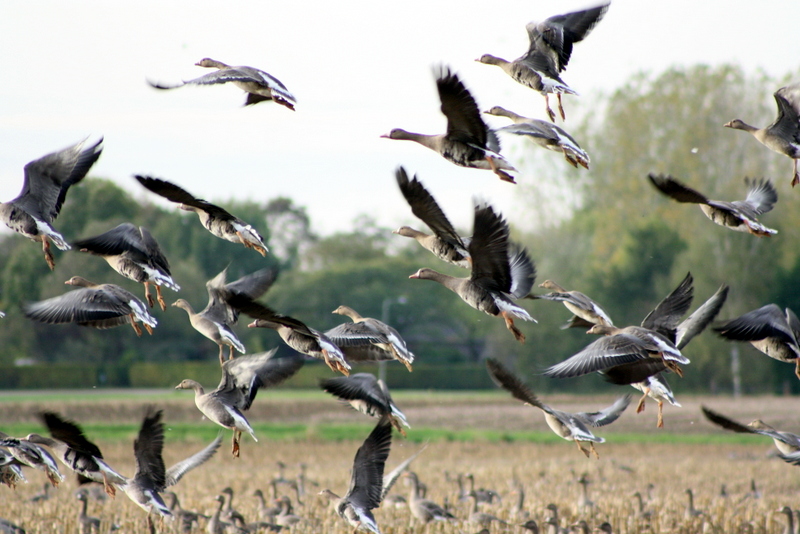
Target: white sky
point(358, 69)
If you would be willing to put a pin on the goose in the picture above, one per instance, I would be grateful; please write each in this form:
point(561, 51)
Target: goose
point(483, 496)
point(151, 476)
point(96, 305)
point(44, 189)
point(260, 86)
point(788, 444)
point(586, 311)
point(186, 518)
point(424, 510)
point(783, 135)
point(366, 331)
point(264, 511)
point(545, 134)
point(691, 512)
point(241, 380)
point(134, 253)
point(366, 480)
point(569, 426)
point(468, 142)
point(549, 52)
point(286, 516)
point(368, 395)
point(294, 333)
point(87, 523)
point(10, 470)
point(770, 330)
point(445, 243)
point(481, 518)
point(789, 519)
point(229, 513)
point(76, 452)
point(29, 453)
point(44, 495)
point(500, 271)
point(739, 215)
point(390, 478)
point(216, 525)
point(216, 220)
point(657, 388)
point(633, 353)
point(585, 504)
point(215, 320)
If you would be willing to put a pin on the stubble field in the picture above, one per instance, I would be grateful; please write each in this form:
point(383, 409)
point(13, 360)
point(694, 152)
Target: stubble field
point(509, 442)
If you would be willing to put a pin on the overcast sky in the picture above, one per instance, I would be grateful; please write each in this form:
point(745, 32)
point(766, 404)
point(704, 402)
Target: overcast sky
point(358, 69)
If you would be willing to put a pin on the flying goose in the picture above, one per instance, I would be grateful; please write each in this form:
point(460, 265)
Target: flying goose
point(586, 311)
point(216, 220)
point(47, 181)
point(545, 134)
point(216, 319)
point(134, 253)
point(260, 86)
point(445, 243)
point(549, 52)
point(366, 331)
point(783, 135)
point(29, 453)
point(567, 425)
point(468, 142)
point(770, 330)
point(96, 305)
point(739, 215)
point(366, 480)
point(500, 271)
point(367, 395)
point(294, 333)
point(788, 444)
point(241, 380)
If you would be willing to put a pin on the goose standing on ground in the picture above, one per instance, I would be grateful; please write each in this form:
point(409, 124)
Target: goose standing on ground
point(216, 319)
point(87, 523)
point(31, 454)
point(96, 305)
point(770, 330)
point(545, 134)
point(216, 220)
point(368, 395)
point(739, 215)
point(783, 135)
point(500, 271)
point(260, 86)
point(75, 451)
point(186, 518)
point(788, 444)
point(566, 425)
point(549, 52)
point(241, 380)
point(424, 510)
point(293, 332)
point(586, 311)
point(445, 243)
point(47, 181)
point(229, 514)
point(135, 254)
point(468, 142)
point(366, 480)
point(369, 332)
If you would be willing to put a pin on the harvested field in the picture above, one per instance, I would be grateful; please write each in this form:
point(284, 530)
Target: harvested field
point(547, 471)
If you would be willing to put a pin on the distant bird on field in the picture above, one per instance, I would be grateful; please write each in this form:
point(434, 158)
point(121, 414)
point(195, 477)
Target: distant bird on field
point(260, 86)
point(570, 426)
point(445, 243)
point(783, 135)
point(217, 318)
point(549, 52)
point(96, 305)
point(500, 271)
point(545, 134)
point(468, 142)
point(739, 215)
point(47, 181)
point(135, 254)
point(216, 220)
point(366, 480)
point(241, 380)
point(770, 330)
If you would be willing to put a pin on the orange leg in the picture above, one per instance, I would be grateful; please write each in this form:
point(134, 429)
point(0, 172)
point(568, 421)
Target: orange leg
point(109, 488)
point(519, 336)
point(547, 108)
point(500, 173)
point(594, 451)
point(148, 328)
point(796, 177)
point(660, 423)
point(48, 256)
point(135, 325)
point(160, 298)
point(640, 406)
point(230, 352)
point(235, 445)
point(797, 368)
point(221, 354)
point(560, 107)
point(584, 451)
point(147, 294)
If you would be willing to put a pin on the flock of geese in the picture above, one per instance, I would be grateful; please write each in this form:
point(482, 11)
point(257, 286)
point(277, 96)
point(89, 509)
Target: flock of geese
point(501, 273)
